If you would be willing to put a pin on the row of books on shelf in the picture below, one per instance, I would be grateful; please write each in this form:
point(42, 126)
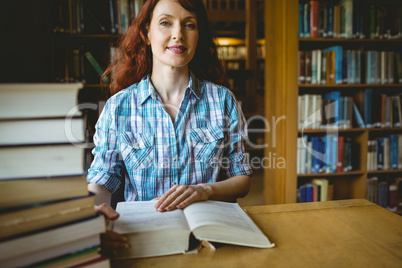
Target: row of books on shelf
point(332, 110)
point(94, 17)
point(381, 110)
point(47, 215)
point(350, 19)
point(385, 153)
point(325, 154)
point(318, 189)
point(335, 65)
point(386, 192)
point(80, 65)
point(238, 52)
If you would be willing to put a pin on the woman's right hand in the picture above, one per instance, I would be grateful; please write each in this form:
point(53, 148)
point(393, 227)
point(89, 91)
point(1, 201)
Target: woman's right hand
point(111, 241)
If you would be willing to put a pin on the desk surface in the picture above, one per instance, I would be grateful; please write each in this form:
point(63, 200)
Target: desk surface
point(346, 233)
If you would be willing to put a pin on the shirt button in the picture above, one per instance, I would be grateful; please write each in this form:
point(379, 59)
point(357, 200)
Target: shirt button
point(173, 183)
point(174, 159)
point(137, 144)
point(207, 138)
point(172, 134)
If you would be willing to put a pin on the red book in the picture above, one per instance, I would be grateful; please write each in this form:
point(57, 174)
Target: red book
point(339, 161)
point(314, 18)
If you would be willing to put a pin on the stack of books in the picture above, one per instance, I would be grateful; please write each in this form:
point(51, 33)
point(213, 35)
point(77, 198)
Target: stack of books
point(47, 215)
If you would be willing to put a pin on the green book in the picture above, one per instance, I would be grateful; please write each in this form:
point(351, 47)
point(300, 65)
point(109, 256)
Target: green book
point(95, 64)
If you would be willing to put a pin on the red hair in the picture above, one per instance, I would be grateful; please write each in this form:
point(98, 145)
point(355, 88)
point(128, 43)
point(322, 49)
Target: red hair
point(133, 58)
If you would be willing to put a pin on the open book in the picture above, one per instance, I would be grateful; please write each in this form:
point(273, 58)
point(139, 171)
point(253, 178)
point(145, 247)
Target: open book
point(153, 233)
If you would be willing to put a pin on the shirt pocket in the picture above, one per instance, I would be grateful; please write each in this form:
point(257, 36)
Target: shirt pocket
point(207, 144)
point(137, 149)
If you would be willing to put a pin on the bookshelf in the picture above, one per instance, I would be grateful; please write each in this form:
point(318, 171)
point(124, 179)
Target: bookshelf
point(240, 46)
point(284, 44)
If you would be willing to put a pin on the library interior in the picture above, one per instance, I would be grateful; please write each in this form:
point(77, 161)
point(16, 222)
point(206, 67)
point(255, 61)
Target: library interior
point(319, 83)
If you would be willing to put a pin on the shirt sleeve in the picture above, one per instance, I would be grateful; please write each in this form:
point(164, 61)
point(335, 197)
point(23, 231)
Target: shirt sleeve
point(235, 153)
point(107, 167)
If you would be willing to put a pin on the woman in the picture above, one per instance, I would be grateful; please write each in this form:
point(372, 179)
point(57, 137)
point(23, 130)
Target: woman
point(170, 128)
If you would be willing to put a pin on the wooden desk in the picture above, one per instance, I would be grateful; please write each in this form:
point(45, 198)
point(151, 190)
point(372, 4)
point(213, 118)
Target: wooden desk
point(346, 233)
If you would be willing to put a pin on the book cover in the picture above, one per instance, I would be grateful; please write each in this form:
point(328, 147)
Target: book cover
point(40, 100)
point(41, 161)
point(314, 7)
point(338, 62)
point(60, 240)
point(301, 20)
point(42, 131)
point(21, 220)
point(15, 193)
point(340, 146)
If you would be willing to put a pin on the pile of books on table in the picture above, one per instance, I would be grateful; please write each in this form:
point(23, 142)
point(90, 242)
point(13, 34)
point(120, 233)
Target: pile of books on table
point(47, 215)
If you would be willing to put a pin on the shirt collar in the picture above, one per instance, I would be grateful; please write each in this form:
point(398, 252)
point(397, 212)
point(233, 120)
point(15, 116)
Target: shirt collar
point(147, 89)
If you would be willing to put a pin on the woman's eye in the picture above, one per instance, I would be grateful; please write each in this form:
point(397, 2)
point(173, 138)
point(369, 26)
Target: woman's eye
point(190, 25)
point(164, 23)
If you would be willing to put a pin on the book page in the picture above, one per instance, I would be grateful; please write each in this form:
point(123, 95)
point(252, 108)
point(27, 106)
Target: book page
point(141, 216)
point(219, 213)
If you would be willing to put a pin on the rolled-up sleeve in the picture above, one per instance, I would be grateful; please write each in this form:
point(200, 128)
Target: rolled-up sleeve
point(106, 168)
point(235, 152)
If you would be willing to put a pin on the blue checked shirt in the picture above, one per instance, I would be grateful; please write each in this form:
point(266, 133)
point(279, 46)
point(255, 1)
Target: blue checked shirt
point(136, 139)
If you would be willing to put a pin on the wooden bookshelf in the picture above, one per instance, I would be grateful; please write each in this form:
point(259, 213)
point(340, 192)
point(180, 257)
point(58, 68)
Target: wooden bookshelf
point(282, 90)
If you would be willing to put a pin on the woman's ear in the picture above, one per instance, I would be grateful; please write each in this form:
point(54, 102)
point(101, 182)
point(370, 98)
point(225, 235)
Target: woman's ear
point(147, 41)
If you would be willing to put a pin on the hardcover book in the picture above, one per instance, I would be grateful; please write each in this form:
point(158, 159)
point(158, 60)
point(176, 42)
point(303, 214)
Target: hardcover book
point(153, 233)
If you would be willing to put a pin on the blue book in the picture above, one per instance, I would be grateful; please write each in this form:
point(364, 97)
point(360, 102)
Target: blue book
point(393, 151)
point(367, 107)
point(315, 161)
point(302, 190)
point(301, 20)
point(330, 20)
point(358, 116)
point(338, 62)
point(326, 149)
point(309, 192)
point(306, 18)
point(334, 152)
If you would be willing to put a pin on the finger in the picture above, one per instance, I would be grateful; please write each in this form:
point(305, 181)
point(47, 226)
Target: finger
point(165, 195)
point(180, 199)
point(108, 211)
point(188, 201)
point(169, 201)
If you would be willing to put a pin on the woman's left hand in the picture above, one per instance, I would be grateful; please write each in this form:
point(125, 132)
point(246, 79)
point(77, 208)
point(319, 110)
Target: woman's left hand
point(180, 196)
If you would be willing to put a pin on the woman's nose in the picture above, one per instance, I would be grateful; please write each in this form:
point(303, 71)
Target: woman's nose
point(177, 33)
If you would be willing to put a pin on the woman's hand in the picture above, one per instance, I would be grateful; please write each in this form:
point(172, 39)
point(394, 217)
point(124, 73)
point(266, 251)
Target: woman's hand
point(110, 241)
point(180, 196)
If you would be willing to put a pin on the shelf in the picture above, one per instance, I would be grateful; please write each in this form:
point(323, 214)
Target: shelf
point(388, 171)
point(349, 40)
point(97, 36)
point(329, 130)
point(338, 174)
point(348, 85)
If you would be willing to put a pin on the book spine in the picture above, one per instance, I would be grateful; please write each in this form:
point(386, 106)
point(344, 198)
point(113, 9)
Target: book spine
point(302, 67)
point(306, 20)
point(301, 20)
point(314, 6)
point(330, 19)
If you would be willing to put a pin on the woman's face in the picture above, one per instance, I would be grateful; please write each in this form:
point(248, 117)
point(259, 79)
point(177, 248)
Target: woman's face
point(173, 34)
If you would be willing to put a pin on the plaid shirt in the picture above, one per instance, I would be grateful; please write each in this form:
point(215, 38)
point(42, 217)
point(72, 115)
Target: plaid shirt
point(136, 139)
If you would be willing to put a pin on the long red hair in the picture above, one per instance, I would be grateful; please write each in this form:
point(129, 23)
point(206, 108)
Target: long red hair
point(133, 57)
